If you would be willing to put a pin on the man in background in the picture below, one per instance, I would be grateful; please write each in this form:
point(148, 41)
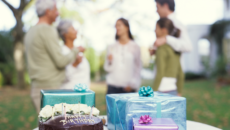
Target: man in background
point(46, 63)
point(165, 9)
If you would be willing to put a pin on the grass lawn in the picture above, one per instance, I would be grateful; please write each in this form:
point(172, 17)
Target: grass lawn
point(205, 104)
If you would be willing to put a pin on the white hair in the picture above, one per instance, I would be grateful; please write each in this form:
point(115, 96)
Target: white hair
point(63, 28)
point(43, 5)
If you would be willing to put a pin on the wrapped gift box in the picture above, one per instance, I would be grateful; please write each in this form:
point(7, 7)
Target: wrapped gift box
point(122, 108)
point(52, 97)
point(158, 124)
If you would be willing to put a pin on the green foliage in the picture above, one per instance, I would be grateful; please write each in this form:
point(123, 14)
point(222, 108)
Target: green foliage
point(220, 67)
point(9, 73)
point(27, 78)
point(152, 64)
point(65, 13)
point(93, 59)
point(213, 72)
point(102, 61)
point(7, 46)
point(1, 80)
point(218, 31)
point(29, 5)
point(205, 60)
point(193, 76)
point(6, 58)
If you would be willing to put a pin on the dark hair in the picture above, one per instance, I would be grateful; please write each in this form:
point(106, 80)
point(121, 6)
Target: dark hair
point(171, 3)
point(168, 24)
point(126, 23)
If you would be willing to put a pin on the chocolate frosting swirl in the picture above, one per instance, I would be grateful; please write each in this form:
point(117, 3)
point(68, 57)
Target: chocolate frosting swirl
point(72, 122)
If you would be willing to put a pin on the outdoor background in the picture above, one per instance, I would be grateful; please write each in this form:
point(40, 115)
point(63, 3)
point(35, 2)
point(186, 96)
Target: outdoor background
point(207, 67)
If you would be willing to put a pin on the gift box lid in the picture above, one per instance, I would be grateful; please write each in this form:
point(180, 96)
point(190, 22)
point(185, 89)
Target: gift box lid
point(157, 124)
point(63, 92)
point(52, 97)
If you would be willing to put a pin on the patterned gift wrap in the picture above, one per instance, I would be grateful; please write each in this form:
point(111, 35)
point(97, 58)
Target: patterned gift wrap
point(122, 108)
point(157, 124)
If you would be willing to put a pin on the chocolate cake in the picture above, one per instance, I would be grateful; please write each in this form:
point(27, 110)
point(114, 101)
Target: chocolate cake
point(72, 122)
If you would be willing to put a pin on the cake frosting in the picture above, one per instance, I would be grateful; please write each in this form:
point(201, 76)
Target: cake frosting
point(69, 117)
point(72, 122)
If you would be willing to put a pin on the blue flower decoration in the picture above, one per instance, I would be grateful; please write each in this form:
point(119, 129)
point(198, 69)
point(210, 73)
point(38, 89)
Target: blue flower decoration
point(146, 92)
point(81, 88)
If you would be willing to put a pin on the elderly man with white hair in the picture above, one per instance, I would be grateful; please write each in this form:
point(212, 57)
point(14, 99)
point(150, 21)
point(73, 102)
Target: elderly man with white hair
point(46, 63)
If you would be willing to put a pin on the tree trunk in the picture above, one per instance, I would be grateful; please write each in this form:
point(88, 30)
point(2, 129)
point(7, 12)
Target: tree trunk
point(19, 64)
point(18, 40)
point(19, 50)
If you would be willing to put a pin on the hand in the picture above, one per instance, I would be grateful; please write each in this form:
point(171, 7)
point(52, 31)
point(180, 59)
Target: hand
point(78, 60)
point(179, 95)
point(128, 89)
point(110, 58)
point(152, 52)
point(160, 41)
point(81, 49)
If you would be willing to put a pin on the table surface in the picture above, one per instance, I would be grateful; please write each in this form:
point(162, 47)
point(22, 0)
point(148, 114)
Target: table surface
point(191, 125)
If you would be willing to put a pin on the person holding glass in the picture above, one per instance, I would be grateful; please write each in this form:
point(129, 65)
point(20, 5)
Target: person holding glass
point(79, 70)
point(123, 61)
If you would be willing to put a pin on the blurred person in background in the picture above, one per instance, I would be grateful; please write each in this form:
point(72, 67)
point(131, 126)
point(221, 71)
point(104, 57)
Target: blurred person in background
point(169, 77)
point(165, 9)
point(46, 63)
point(79, 70)
point(123, 61)
point(181, 44)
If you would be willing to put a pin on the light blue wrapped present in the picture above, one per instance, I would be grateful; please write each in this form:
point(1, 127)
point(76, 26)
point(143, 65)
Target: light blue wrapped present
point(122, 108)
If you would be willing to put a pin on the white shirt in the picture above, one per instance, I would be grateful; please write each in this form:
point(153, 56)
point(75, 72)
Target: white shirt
point(183, 43)
point(126, 65)
point(167, 84)
point(75, 75)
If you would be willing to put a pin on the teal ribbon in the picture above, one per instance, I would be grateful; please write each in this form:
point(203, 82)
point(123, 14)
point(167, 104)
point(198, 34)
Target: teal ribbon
point(83, 99)
point(81, 88)
point(146, 92)
point(158, 110)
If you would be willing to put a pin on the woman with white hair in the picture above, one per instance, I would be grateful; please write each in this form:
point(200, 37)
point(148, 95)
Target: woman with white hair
point(79, 70)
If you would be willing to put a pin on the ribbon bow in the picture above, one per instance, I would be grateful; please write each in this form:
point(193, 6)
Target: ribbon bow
point(146, 92)
point(145, 119)
point(81, 88)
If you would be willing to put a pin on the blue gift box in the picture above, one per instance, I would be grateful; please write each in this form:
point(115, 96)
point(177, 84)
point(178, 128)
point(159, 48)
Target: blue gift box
point(52, 97)
point(122, 108)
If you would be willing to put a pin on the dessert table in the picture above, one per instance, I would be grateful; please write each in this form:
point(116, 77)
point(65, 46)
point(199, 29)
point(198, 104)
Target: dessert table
point(191, 125)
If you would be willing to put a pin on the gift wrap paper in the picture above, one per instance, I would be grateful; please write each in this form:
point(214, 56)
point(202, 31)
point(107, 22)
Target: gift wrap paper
point(122, 108)
point(158, 124)
point(52, 97)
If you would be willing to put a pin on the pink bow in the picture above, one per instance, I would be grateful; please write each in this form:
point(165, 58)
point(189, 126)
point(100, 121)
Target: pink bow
point(145, 119)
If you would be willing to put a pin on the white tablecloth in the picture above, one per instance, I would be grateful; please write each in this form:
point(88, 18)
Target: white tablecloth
point(191, 125)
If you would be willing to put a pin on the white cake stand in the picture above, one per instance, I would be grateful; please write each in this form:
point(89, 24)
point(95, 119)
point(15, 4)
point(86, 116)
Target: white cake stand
point(191, 125)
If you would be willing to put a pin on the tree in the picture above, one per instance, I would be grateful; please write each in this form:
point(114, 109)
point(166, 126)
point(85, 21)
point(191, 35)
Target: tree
point(18, 35)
